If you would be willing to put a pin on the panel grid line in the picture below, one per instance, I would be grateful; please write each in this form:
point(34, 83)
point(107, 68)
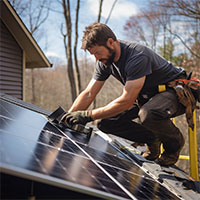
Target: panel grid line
point(99, 166)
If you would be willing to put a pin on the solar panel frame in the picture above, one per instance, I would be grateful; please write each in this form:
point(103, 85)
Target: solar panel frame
point(172, 196)
point(27, 174)
point(83, 153)
point(39, 173)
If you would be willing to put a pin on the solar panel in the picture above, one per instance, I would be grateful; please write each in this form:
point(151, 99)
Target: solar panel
point(33, 148)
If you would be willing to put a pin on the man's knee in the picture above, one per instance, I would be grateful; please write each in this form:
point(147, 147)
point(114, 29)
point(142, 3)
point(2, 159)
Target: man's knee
point(103, 125)
point(149, 115)
point(145, 116)
point(99, 124)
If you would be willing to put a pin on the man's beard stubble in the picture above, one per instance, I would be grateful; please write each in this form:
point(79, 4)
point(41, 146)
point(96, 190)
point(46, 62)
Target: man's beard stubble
point(111, 58)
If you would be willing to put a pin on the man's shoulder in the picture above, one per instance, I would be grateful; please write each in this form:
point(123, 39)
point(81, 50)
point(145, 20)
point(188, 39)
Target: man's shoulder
point(129, 44)
point(133, 49)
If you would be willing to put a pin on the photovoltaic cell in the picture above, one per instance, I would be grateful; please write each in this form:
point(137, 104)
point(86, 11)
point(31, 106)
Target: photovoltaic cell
point(32, 146)
point(142, 187)
point(27, 146)
point(110, 159)
point(134, 179)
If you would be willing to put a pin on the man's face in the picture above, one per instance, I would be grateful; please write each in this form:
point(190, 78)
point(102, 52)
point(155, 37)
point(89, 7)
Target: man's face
point(103, 54)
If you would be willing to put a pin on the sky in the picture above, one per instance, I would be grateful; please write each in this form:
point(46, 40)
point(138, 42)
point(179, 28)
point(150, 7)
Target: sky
point(52, 41)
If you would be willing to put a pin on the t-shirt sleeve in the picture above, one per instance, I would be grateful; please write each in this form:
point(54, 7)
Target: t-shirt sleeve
point(101, 72)
point(138, 67)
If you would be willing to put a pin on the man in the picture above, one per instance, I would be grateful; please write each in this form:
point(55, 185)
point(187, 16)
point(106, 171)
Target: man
point(141, 71)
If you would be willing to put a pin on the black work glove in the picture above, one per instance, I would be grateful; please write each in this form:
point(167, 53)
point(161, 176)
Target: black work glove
point(77, 117)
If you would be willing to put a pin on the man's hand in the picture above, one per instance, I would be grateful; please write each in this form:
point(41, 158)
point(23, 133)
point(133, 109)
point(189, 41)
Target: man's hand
point(77, 117)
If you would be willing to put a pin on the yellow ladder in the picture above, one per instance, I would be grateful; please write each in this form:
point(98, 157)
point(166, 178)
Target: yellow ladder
point(192, 149)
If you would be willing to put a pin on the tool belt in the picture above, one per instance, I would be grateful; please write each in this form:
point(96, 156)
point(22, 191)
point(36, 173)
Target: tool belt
point(188, 92)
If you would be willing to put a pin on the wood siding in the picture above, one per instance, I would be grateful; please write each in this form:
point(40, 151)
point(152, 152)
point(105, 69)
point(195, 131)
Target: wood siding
point(11, 64)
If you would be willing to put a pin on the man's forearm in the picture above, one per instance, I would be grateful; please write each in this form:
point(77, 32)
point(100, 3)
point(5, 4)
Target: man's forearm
point(86, 97)
point(113, 108)
point(122, 103)
point(82, 102)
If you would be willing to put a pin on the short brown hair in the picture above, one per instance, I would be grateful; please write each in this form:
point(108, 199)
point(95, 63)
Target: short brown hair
point(96, 34)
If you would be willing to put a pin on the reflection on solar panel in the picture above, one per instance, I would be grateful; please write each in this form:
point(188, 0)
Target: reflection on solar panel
point(34, 149)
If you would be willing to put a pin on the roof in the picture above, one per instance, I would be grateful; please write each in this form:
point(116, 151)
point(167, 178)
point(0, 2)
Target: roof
point(35, 57)
point(36, 149)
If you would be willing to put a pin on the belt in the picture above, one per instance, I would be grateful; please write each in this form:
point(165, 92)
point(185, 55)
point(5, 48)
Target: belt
point(188, 92)
point(182, 75)
point(184, 89)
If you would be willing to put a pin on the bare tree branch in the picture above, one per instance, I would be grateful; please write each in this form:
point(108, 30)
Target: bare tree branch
point(113, 5)
point(185, 8)
point(100, 10)
point(184, 43)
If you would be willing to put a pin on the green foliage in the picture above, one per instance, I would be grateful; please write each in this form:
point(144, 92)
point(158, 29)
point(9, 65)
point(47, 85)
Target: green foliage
point(168, 50)
point(188, 61)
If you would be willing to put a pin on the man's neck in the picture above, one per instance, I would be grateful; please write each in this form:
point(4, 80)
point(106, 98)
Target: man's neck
point(117, 51)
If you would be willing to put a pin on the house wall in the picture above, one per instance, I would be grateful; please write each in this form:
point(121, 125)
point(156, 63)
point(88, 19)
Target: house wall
point(11, 64)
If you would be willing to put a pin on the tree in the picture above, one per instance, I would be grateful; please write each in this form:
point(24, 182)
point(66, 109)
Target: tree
point(167, 51)
point(34, 14)
point(20, 6)
point(136, 27)
point(100, 10)
point(109, 15)
point(36, 17)
point(189, 9)
point(67, 39)
point(75, 48)
point(187, 14)
point(170, 19)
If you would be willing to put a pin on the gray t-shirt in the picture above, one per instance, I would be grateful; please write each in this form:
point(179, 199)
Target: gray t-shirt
point(135, 62)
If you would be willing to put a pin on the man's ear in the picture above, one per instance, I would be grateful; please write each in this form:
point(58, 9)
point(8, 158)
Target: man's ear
point(110, 43)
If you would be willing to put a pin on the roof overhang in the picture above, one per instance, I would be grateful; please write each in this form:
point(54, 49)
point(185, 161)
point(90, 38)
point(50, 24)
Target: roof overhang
point(35, 58)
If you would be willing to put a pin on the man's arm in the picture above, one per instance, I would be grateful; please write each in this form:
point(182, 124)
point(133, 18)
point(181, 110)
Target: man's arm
point(122, 103)
point(86, 97)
